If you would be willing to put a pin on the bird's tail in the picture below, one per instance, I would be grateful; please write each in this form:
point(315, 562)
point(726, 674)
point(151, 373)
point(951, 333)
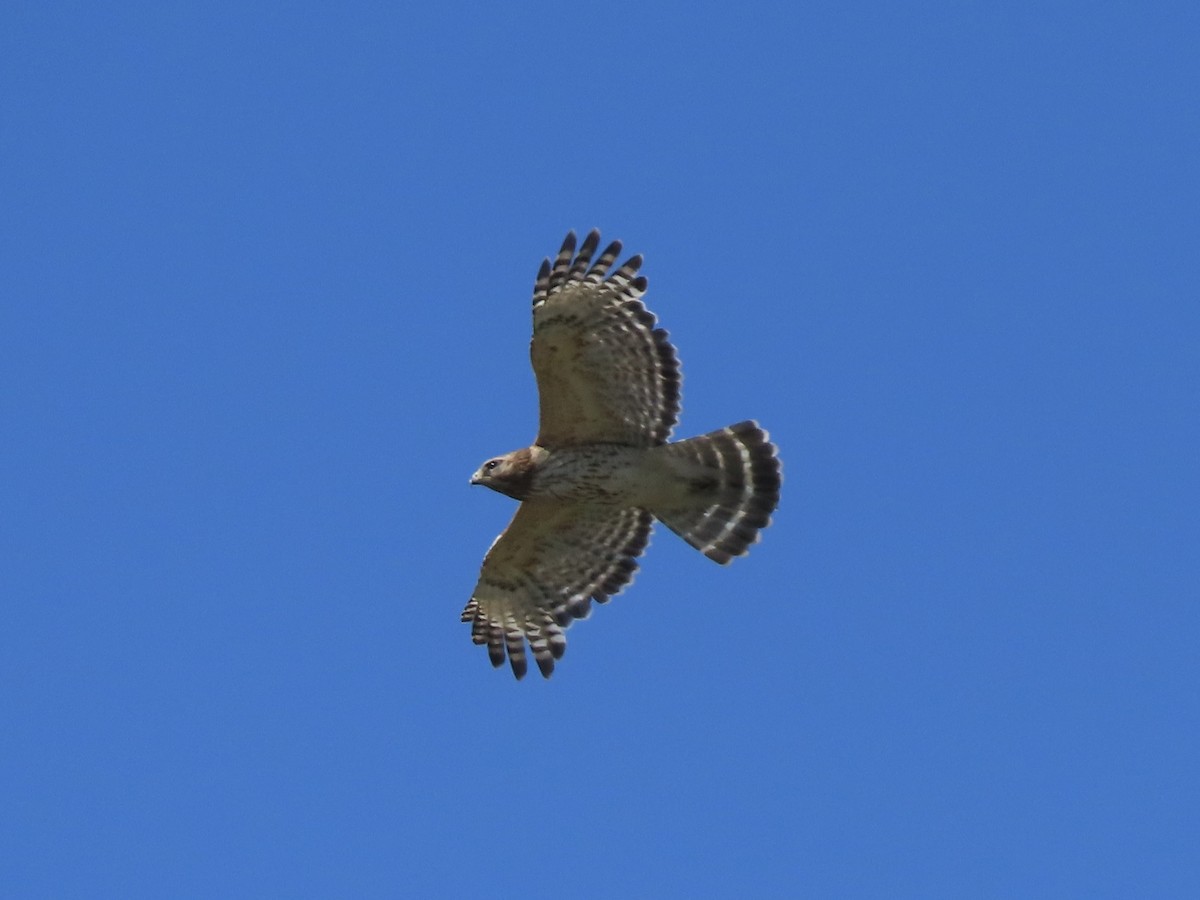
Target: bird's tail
point(732, 479)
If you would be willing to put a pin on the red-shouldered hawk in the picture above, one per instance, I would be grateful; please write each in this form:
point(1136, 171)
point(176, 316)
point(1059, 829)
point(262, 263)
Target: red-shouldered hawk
point(601, 469)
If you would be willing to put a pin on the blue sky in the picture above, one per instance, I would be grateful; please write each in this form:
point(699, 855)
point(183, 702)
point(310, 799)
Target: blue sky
point(265, 289)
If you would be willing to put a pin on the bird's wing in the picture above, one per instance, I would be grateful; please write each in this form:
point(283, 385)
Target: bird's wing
point(605, 373)
point(543, 571)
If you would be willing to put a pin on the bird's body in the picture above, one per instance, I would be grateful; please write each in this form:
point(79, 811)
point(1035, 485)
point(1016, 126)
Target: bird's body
point(597, 473)
point(601, 469)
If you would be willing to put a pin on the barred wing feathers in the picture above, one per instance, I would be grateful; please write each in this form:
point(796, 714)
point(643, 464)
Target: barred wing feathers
point(605, 374)
point(544, 571)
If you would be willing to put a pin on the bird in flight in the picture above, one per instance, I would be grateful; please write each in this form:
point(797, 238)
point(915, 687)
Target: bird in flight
point(602, 468)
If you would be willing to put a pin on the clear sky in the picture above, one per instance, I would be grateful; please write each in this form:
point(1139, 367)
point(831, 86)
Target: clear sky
point(264, 297)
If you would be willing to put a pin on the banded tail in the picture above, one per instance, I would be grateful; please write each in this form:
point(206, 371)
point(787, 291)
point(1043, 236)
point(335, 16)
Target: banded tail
point(732, 479)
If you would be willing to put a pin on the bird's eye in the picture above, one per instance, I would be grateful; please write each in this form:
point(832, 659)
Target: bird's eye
point(490, 464)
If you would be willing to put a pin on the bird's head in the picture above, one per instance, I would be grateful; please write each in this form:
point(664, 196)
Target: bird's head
point(511, 474)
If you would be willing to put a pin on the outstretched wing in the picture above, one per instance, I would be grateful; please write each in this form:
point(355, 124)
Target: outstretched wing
point(605, 374)
point(544, 571)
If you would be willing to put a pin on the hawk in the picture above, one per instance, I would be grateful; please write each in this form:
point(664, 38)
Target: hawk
point(602, 470)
